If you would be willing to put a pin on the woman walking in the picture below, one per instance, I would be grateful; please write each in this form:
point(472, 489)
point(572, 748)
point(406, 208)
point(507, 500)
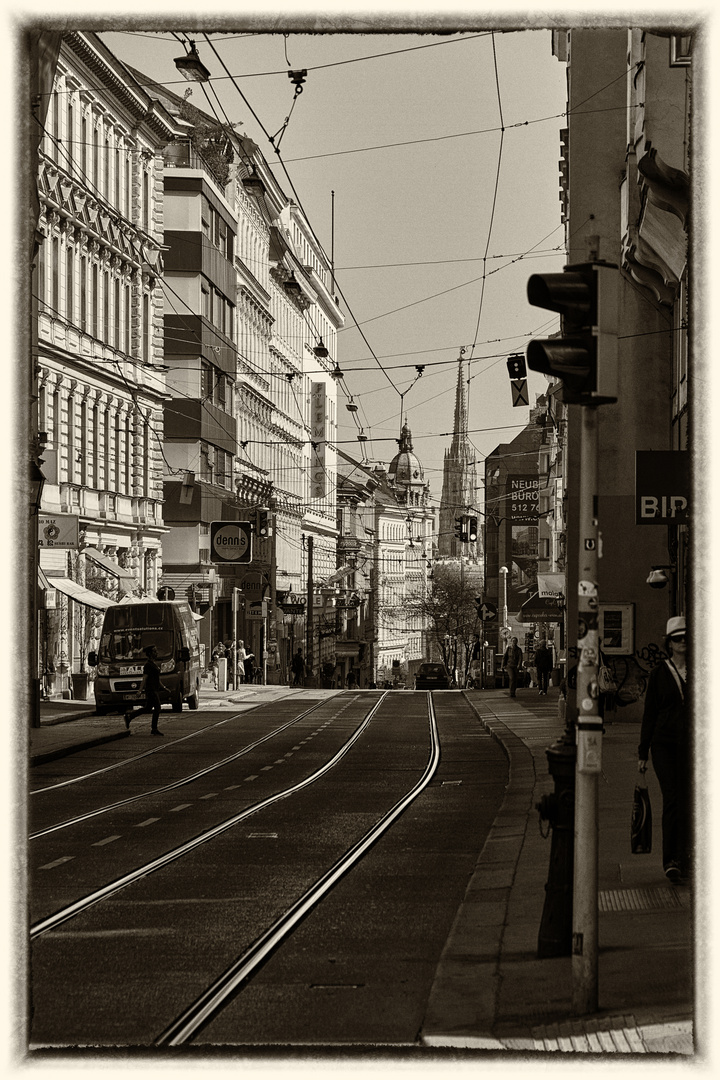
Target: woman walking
point(665, 735)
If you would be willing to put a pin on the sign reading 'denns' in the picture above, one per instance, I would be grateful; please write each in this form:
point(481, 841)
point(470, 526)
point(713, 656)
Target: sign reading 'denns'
point(230, 542)
point(522, 498)
point(318, 475)
point(662, 487)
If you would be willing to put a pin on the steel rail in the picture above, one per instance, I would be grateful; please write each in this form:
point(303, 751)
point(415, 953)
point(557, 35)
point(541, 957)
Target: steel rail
point(183, 1029)
point(176, 783)
point(139, 757)
point(85, 902)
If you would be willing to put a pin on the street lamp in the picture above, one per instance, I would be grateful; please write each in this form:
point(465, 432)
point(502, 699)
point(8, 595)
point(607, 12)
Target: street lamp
point(506, 629)
point(191, 66)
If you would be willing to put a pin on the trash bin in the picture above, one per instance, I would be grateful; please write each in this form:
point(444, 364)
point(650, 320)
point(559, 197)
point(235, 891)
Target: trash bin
point(80, 685)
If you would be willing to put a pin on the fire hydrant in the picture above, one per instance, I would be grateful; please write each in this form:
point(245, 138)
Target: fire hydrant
point(558, 808)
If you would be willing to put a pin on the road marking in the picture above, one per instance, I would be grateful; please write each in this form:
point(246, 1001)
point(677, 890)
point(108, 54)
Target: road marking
point(57, 862)
point(296, 747)
point(280, 761)
point(211, 795)
point(180, 806)
point(107, 840)
point(147, 821)
point(265, 768)
point(232, 787)
point(251, 777)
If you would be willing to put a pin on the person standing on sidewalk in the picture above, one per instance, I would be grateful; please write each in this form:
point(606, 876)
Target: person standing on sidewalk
point(543, 665)
point(665, 733)
point(512, 659)
point(152, 686)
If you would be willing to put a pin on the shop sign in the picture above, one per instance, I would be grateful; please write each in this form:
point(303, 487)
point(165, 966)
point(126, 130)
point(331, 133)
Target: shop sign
point(58, 531)
point(522, 497)
point(662, 487)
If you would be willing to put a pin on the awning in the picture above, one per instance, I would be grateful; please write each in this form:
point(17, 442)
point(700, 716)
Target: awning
point(340, 574)
point(536, 609)
point(79, 593)
point(128, 583)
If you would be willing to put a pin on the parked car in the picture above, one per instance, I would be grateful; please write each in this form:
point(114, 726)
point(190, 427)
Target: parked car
point(431, 677)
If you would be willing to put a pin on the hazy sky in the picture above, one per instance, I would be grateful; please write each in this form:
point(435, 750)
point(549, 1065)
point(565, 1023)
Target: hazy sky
point(442, 152)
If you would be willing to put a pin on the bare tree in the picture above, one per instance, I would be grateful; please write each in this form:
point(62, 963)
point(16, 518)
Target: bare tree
point(449, 612)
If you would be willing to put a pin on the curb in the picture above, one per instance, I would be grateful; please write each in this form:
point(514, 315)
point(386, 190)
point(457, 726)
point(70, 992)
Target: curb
point(64, 751)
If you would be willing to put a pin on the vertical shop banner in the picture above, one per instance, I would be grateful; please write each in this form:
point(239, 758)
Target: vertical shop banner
point(318, 476)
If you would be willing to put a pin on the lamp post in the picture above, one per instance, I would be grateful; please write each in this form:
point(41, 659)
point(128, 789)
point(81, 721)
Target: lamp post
point(505, 628)
point(36, 484)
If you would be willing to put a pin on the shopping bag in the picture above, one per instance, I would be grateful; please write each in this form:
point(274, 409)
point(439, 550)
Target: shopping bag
point(641, 822)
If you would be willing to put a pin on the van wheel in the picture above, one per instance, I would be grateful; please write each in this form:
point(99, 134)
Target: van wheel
point(194, 699)
point(176, 702)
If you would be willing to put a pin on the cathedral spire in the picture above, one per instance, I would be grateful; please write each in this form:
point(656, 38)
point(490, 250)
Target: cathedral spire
point(460, 425)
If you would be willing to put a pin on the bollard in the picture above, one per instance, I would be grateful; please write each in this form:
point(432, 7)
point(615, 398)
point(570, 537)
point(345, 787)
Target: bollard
point(558, 808)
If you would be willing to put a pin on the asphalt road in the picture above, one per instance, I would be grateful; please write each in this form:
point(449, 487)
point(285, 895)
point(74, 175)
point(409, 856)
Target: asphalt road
point(358, 969)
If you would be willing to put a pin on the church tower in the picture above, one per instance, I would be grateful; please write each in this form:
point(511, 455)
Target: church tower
point(459, 490)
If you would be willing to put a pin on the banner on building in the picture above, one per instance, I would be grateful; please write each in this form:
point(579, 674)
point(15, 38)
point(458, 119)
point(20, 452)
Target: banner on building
point(318, 474)
point(551, 586)
point(58, 531)
point(522, 498)
point(662, 487)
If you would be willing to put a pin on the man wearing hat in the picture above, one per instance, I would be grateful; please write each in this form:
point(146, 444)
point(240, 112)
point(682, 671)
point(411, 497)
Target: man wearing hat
point(665, 734)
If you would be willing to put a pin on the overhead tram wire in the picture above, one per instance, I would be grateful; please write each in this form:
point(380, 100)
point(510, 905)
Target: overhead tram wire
point(299, 202)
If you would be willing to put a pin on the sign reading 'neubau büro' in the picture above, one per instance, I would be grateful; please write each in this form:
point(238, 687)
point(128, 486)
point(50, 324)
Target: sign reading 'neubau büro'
point(523, 494)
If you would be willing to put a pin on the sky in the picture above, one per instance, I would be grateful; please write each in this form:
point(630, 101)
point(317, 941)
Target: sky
point(442, 153)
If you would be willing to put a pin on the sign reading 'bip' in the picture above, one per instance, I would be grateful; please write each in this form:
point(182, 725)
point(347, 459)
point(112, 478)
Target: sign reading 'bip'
point(662, 487)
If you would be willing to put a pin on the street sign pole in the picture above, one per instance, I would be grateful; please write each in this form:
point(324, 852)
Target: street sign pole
point(589, 733)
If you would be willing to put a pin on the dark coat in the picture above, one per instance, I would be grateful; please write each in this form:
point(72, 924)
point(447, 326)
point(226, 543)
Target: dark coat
point(665, 717)
point(513, 656)
point(543, 659)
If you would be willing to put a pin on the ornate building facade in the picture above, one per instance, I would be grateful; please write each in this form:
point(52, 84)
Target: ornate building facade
point(99, 347)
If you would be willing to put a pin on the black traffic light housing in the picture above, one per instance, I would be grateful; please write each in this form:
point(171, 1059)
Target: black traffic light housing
point(461, 528)
point(263, 524)
point(584, 355)
point(472, 529)
point(516, 366)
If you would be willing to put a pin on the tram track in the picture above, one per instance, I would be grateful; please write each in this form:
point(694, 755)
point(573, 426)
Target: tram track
point(95, 897)
point(205, 1007)
point(181, 782)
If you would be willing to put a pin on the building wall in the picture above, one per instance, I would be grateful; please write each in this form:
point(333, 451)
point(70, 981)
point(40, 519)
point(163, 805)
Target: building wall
point(99, 330)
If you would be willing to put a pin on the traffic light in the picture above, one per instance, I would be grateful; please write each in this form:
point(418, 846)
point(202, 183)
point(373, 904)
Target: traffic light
point(263, 524)
point(584, 355)
point(472, 529)
point(461, 529)
point(516, 366)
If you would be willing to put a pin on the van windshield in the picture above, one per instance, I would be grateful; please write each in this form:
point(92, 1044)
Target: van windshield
point(128, 646)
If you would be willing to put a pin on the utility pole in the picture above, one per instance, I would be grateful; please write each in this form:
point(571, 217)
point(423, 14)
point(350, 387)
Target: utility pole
point(589, 732)
point(309, 630)
point(585, 359)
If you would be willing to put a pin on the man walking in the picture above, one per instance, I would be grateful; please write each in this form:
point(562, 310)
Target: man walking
point(543, 664)
point(512, 659)
point(298, 668)
point(152, 686)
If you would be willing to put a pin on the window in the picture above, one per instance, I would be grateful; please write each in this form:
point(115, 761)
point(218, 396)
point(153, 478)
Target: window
point(106, 170)
point(70, 285)
point(128, 454)
point(116, 314)
point(127, 318)
point(70, 141)
point(83, 295)
point(117, 177)
point(146, 328)
point(106, 308)
point(54, 150)
point(84, 148)
point(55, 276)
point(96, 159)
point(95, 303)
point(127, 185)
point(206, 462)
point(206, 380)
point(146, 201)
point(206, 306)
point(41, 271)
